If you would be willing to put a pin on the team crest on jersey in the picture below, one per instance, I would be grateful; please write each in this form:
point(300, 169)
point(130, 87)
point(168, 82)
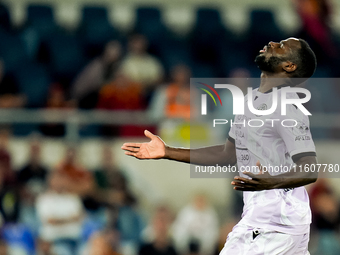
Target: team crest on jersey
point(261, 107)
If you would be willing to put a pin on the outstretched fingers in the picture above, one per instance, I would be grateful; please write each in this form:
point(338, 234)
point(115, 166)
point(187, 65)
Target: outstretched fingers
point(131, 149)
point(127, 145)
point(133, 154)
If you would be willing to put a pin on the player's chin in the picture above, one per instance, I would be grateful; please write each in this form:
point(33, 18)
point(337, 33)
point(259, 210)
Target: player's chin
point(262, 53)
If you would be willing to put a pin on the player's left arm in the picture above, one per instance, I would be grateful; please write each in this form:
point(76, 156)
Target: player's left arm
point(297, 176)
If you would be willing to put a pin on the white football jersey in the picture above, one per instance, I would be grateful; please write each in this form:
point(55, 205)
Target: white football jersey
point(277, 141)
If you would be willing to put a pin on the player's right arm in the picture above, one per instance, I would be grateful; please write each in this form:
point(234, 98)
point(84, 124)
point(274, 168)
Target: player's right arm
point(157, 149)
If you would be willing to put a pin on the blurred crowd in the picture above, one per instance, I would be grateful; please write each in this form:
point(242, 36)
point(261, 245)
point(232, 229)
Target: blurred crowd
point(148, 68)
point(71, 210)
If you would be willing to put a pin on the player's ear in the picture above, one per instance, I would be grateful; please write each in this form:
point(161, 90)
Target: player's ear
point(289, 66)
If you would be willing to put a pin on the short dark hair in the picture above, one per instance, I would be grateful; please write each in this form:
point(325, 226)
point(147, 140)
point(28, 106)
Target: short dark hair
point(305, 60)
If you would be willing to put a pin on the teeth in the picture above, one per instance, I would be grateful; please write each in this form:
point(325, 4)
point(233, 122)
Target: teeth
point(263, 50)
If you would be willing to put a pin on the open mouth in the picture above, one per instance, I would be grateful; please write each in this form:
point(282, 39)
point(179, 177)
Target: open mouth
point(264, 49)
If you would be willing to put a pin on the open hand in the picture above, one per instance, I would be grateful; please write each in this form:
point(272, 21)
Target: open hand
point(155, 149)
point(261, 181)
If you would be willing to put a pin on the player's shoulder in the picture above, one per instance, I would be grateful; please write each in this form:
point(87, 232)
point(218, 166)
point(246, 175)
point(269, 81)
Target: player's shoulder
point(287, 90)
point(288, 94)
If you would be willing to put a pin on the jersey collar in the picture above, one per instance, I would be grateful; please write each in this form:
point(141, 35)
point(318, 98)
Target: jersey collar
point(278, 87)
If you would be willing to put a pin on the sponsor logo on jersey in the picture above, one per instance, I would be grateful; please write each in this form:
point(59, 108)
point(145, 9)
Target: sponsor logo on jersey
point(300, 129)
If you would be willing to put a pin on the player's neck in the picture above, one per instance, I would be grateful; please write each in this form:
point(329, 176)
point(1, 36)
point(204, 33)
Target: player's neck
point(269, 81)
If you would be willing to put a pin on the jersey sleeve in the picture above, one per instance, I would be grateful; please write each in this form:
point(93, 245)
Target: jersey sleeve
point(294, 130)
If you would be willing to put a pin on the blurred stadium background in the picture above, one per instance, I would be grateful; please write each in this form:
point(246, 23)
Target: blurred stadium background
point(78, 78)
